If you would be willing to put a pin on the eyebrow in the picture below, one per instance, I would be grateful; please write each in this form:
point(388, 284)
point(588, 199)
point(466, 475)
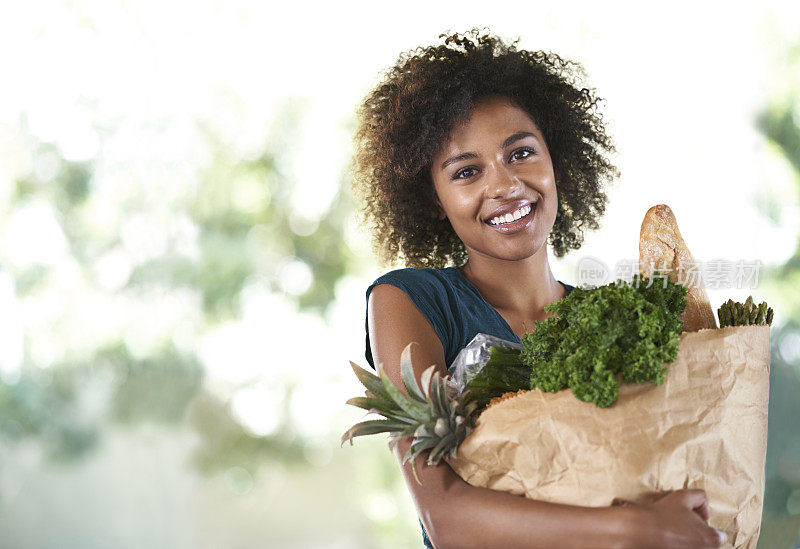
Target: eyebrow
point(513, 138)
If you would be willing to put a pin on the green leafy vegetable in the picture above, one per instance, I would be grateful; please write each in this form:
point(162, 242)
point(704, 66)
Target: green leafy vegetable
point(503, 372)
point(631, 329)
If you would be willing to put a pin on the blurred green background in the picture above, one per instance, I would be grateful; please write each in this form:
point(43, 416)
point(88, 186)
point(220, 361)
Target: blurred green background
point(182, 267)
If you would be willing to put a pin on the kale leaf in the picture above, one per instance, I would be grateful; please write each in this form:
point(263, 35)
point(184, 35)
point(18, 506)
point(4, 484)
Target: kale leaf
point(627, 330)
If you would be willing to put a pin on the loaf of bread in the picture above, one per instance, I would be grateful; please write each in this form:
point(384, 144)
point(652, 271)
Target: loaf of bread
point(661, 247)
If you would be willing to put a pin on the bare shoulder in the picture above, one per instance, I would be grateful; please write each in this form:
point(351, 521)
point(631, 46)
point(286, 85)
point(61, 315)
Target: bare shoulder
point(394, 322)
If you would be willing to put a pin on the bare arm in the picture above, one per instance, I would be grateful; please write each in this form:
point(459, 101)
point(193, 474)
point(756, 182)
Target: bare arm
point(457, 515)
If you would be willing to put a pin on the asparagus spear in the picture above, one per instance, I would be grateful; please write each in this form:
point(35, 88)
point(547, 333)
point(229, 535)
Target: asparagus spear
point(733, 313)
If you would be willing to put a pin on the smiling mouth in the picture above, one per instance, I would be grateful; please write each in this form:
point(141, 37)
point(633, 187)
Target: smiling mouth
point(509, 219)
point(520, 220)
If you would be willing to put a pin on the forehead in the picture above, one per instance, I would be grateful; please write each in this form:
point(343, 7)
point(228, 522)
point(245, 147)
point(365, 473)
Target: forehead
point(491, 120)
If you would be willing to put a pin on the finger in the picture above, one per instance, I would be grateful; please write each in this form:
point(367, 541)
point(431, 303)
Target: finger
point(694, 498)
point(703, 510)
point(716, 538)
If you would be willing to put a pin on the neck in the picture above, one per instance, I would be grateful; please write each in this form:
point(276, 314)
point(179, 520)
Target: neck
point(523, 287)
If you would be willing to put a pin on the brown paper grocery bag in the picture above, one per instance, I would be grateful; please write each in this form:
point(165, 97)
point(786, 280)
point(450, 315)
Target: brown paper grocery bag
point(704, 427)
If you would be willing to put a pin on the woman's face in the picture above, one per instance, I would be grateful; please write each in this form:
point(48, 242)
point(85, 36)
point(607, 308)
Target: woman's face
point(494, 181)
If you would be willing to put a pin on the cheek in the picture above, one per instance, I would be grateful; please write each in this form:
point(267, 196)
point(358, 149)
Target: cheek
point(459, 204)
point(550, 214)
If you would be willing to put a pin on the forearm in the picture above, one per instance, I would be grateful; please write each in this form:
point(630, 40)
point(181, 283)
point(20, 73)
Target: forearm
point(489, 518)
point(460, 516)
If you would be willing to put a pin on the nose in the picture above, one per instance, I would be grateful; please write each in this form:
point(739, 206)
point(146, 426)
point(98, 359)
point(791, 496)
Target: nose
point(501, 183)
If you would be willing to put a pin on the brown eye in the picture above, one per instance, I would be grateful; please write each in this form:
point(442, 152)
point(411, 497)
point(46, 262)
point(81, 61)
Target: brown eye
point(522, 153)
point(464, 173)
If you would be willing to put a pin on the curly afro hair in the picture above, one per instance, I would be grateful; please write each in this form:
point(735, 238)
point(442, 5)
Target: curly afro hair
point(406, 119)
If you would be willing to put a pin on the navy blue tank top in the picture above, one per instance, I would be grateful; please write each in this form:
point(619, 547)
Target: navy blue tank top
point(453, 306)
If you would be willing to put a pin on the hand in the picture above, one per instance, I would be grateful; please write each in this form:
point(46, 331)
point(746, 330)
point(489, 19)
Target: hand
point(679, 519)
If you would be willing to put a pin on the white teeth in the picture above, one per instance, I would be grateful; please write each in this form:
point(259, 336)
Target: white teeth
point(514, 216)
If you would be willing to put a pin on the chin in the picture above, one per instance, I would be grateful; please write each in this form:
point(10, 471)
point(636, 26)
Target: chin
point(517, 253)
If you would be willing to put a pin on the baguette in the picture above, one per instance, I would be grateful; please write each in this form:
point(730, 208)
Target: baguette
point(661, 247)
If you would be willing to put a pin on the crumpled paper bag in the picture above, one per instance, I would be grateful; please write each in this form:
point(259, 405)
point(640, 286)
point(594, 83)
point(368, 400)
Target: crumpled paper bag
point(704, 427)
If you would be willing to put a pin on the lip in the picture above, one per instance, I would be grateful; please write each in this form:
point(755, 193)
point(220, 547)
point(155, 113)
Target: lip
point(508, 208)
point(518, 225)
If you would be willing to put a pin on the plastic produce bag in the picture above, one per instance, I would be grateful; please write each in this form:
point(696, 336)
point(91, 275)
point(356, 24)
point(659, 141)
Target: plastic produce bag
point(472, 358)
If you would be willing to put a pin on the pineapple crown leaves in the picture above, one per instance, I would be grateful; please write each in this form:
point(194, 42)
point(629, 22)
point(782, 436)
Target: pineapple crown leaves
point(399, 409)
point(427, 414)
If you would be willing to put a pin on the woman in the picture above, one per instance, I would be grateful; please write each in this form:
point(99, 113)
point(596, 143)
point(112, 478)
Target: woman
point(476, 154)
